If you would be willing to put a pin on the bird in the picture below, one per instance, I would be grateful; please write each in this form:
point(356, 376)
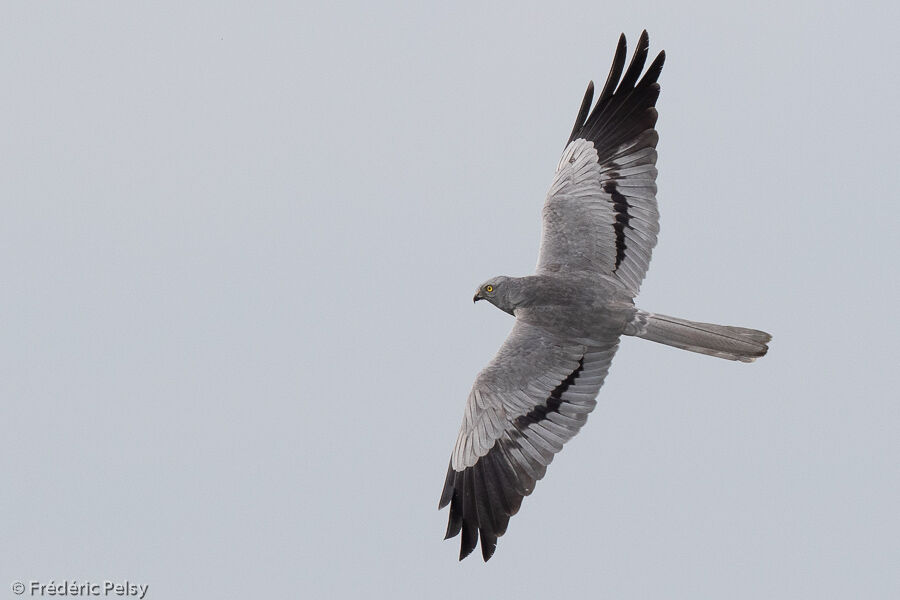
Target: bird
point(600, 225)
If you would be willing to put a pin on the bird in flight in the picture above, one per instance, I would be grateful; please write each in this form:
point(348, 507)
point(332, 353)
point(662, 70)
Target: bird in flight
point(600, 223)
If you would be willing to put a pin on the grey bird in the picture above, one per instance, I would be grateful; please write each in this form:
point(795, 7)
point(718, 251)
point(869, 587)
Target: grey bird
point(600, 223)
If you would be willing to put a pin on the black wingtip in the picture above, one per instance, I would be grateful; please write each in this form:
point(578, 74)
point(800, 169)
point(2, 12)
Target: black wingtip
point(447, 491)
point(615, 71)
point(637, 63)
point(453, 528)
point(660, 58)
point(618, 109)
point(488, 546)
point(653, 71)
point(451, 495)
point(469, 539)
point(583, 111)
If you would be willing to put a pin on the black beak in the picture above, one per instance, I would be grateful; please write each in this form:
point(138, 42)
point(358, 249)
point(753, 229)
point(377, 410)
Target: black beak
point(477, 297)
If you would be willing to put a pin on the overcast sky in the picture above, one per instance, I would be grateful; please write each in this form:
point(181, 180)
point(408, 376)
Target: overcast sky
point(238, 246)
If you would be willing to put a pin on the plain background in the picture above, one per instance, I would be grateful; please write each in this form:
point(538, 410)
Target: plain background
point(239, 246)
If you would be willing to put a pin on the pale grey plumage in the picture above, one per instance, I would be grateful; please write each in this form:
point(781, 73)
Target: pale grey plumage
point(600, 224)
point(579, 213)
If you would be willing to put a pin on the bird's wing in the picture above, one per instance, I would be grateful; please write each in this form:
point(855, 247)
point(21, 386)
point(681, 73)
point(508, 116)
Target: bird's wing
point(532, 398)
point(600, 215)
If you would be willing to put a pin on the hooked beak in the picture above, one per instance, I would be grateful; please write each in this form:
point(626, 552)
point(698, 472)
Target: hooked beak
point(477, 297)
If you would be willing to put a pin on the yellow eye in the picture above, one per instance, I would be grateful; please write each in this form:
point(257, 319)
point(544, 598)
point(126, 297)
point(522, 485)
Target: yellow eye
point(489, 288)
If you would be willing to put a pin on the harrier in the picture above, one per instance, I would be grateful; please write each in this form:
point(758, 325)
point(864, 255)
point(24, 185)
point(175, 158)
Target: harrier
point(600, 223)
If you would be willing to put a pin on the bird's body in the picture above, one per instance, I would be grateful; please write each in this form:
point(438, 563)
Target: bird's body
point(577, 306)
point(600, 223)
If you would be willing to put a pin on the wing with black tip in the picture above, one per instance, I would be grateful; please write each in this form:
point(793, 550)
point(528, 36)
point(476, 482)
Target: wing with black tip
point(600, 214)
point(532, 398)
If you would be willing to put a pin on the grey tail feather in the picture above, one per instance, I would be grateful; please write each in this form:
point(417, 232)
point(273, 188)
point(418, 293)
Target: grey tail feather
point(724, 341)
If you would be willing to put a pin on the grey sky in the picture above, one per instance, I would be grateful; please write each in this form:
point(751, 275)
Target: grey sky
point(239, 246)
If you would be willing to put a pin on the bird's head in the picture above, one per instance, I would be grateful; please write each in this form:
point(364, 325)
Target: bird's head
point(496, 291)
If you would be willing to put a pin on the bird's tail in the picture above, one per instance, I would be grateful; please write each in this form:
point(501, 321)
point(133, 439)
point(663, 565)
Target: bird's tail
point(724, 341)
